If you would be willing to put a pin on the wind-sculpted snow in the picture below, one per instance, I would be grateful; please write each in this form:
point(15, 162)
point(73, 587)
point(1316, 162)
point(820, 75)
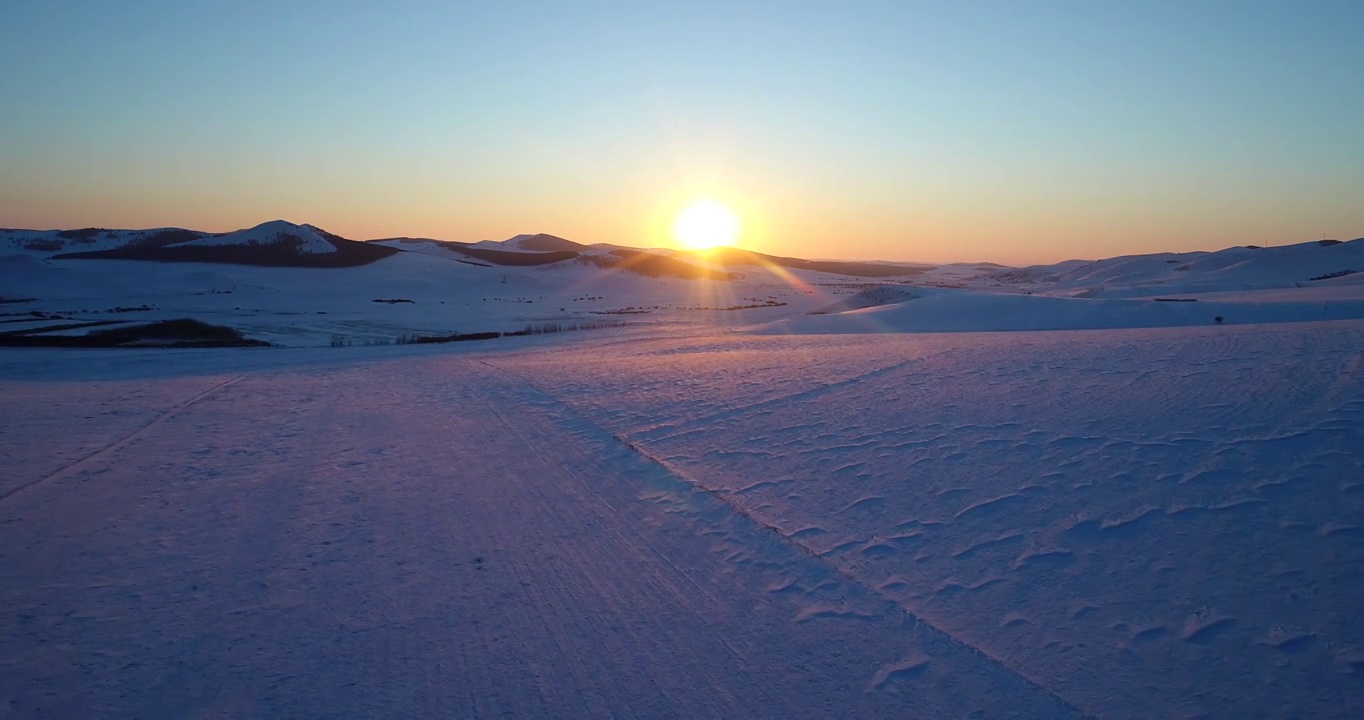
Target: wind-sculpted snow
point(1124, 524)
point(426, 537)
point(1148, 523)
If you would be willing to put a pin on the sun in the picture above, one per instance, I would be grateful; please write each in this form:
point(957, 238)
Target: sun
point(704, 224)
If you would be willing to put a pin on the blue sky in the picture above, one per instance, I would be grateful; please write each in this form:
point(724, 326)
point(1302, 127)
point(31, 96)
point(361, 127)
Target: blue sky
point(1007, 131)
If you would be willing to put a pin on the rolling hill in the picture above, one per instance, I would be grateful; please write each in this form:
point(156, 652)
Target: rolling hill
point(272, 244)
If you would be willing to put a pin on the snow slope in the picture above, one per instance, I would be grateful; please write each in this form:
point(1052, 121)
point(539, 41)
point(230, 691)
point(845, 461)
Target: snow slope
point(309, 306)
point(899, 309)
point(44, 243)
point(1118, 524)
point(1236, 268)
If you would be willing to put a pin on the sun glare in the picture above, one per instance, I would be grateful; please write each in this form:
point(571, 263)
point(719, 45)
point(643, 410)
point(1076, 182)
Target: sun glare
point(704, 224)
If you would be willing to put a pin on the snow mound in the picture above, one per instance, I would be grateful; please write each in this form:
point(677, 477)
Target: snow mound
point(310, 240)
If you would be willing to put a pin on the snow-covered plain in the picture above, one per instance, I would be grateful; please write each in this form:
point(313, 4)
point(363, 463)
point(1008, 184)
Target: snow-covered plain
point(1134, 523)
point(827, 508)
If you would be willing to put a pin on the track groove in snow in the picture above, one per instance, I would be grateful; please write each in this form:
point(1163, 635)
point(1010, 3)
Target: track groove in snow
point(420, 534)
point(78, 465)
point(1089, 436)
point(851, 578)
point(428, 537)
point(837, 568)
point(803, 395)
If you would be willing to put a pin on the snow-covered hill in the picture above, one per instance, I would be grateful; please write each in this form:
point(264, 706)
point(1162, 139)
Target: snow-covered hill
point(43, 243)
point(883, 310)
point(1242, 285)
point(1236, 268)
point(305, 239)
point(541, 242)
point(300, 285)
point(277, 243)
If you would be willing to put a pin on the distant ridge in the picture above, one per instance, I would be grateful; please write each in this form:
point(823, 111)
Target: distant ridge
point(544, 242)
point(736, 256)
point(643, 262)
point(517, 252)
point(545, 249)
point(89, 239)
point(277, 243)
point(511, 258)
point(281, 243)
point(1239, 267)
point(520, 251)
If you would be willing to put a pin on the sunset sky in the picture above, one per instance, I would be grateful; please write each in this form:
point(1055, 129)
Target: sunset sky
point(1011, 131)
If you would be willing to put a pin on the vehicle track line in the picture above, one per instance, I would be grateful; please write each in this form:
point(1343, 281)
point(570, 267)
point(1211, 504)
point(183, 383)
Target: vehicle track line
point(80, 464)
point(850, 577)
point(779, 400)
point(839, 570)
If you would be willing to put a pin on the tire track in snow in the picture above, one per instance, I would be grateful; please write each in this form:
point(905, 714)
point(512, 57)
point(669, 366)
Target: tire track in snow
point(627, 539)
point(779, 400)
point(116, 445)
point(848, 576)
point(569, 416)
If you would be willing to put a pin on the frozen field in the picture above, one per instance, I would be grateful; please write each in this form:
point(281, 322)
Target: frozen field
point(1158, 522)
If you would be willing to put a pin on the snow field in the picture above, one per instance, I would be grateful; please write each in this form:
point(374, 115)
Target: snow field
point(1118, 523)
point(1137, 520)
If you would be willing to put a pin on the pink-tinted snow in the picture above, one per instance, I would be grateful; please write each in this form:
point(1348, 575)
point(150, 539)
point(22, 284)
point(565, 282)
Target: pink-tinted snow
point(1121, 523)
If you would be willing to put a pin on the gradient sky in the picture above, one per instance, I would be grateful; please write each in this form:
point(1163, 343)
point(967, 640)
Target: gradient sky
point(1011, 131)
